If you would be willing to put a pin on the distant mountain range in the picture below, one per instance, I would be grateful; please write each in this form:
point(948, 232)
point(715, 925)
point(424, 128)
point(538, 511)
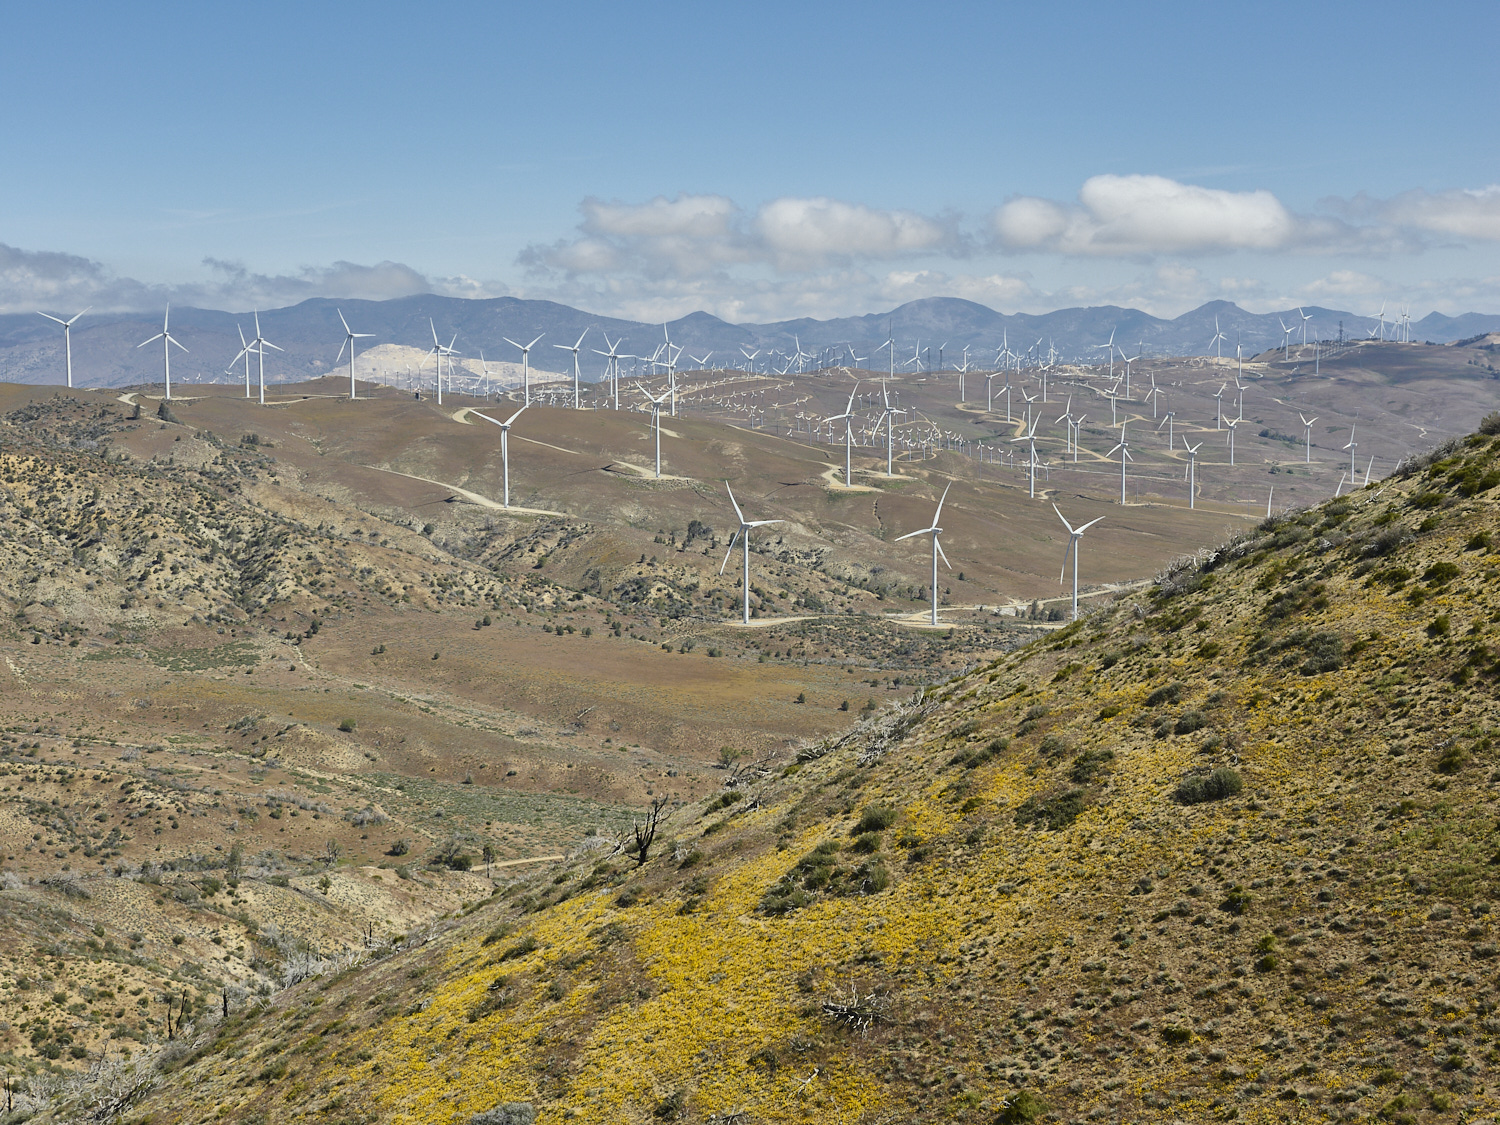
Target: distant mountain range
point(105, 351)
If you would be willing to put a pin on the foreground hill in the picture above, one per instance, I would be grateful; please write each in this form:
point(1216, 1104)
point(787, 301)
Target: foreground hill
point(1221, 850)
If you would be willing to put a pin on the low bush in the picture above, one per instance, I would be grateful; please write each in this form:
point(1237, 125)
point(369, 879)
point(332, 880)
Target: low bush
point(1189, 722)
point(1169, 693)
point(1050, 812)
point(875, 818)
point(1215, 786)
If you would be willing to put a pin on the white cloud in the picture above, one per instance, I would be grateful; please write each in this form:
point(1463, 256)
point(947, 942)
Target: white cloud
point(800, 231)
point(1470, 213)
point(696, 235)
point(1133, 215)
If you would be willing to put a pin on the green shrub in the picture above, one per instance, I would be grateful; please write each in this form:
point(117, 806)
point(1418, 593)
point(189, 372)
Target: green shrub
point(1189, 722)
point(1453, 759)
point(1440, 573)
point(1170, 693)
point(1088, 764)
point(1215, 786)
point(346, 725)
point(1490, 423)
point(1325, 653)
point(1175, 1034)
point(1053, 746)
point(875, 818)
point(1109, 712)
point(1052, 813)
point(527, 944)
point(1021, 1107)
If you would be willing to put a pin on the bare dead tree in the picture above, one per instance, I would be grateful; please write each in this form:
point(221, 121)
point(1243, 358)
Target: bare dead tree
point(644, 834)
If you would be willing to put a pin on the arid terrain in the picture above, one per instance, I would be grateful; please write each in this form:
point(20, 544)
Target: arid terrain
point(286, 686)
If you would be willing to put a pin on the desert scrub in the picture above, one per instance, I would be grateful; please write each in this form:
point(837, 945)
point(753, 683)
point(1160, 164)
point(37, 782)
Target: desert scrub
point(875, 818)
point(1168, 693)
point(975, 757)
point(1214, 786)
point(1054, 812)
point(822, 873)
point(1088, 764)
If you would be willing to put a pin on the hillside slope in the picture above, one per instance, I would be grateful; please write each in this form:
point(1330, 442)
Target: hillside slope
point(1223, 851)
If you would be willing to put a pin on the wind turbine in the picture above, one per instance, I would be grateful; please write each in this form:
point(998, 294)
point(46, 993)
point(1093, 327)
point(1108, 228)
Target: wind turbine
point(1074, 535)
point(1233, 424)
point(1110, 350)
point(656, 405)
point(1286, 339)
point(743, 534)
point(847, 417)
point(1307, 424)
point(245, 351)
point(525, 364)
point(1166, 420)
point(574, 349)
point(1030, 438)
point(505, 446)
point(937, 548)
point(1219, 406)
point(889, 418)
point(1067, 416)
point(1380, 317)
point(749, 356)
point(167, 341)
point(1191, 473)
point(612, 366)
point(440, 351)
point(1306, 316)
point(67, 337)
point(1219, 338)
point(1351, 447)
point(1123, 448)
point(349, 337)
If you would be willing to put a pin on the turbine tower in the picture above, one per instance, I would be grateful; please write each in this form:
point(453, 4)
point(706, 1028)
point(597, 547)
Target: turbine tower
point(167, 340)
point(504, 447)
point(656, 405)
point(1074, 535)
point(937, 548)
point(1123, 448)
point(574, 349)
point(847, 417)
point(1191, 472)
point(349, 337)
point(743, 534)
point(525, 365)
point(67, 338)
point(1307, 424)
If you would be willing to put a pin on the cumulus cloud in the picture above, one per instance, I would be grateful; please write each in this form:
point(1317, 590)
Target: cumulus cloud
point(696, 235)
point(1132, 215)
point(1469, 213)
point(32, 279)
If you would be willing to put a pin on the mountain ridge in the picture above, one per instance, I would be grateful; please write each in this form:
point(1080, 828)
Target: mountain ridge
point(106, 352)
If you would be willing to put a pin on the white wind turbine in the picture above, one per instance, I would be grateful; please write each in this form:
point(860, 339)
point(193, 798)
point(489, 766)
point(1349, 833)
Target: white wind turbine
point(656, 405)
point(1109, 350)
point(937, 549)
point(611, 366)
point(574, 349)
point(1123, 449)
point(1029, 437)
point(1166, 420)
point(750, 356)
point(1307, 424)
point(1233, 425)
point(67, 337)
point(440, 352)
point(349, 337)
point(1219, 338)
point(1191, 472)
point(505, 447)
point(167, 340)
point(245, 350)
point(743, 534)
point(525, 364)
point(889, 418)
point(1219, 406)
point(847, 417)
point(1306, 316)
point(1067, 417)
point(1380, 319)
point(1074, 535)
point(1351, 447)
point(1286, 339)
point(260, 344)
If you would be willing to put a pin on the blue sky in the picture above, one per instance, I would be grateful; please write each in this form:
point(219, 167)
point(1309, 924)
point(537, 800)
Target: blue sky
point(759, 161)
